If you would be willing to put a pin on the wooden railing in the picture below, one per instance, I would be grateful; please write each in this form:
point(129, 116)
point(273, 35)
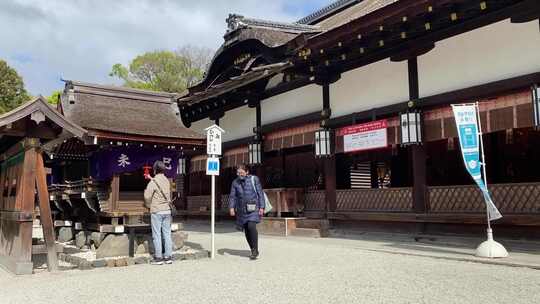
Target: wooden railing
point(202, 203)
point(521, 198)
point(375, 200)
point(315, 200)
point(198, 203)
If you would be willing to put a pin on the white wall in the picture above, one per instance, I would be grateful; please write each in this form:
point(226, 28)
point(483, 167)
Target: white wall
point(378, 84)
point(237, 123)
point(499, 51)
point(294, 103)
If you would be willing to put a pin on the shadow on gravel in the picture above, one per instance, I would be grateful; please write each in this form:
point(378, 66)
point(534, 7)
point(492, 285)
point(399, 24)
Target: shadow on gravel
point(204, 226)
point(240, 253)
point(427, 249)
point(194, 245)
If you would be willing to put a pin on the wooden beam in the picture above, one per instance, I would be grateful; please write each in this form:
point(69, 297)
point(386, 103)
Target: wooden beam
point(45, 214)
point(413, 53)
point(443, 218)
point(356, 60)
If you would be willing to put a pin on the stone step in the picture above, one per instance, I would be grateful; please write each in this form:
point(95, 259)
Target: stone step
point(313, 224)
point(309, 232)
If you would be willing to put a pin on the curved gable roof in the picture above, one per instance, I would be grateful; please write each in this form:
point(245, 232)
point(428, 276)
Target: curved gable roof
point(42, 110)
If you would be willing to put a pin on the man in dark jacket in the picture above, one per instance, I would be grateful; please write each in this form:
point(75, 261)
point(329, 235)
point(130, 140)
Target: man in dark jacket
point(246, 202)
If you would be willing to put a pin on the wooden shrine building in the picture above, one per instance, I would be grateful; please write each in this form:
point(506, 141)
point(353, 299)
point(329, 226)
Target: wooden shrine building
point(99, 182)
point(280, 90)
point(25, 133)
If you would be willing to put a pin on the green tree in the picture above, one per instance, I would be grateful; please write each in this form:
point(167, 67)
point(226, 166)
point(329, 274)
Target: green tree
point(163, 70)
point(12, 92)
point(54, 98)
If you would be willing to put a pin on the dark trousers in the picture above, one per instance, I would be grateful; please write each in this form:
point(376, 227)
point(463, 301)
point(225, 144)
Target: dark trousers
point(252, 236)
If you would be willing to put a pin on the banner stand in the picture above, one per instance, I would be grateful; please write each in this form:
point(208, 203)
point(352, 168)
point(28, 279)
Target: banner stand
point(469, 130)
point(489, 248)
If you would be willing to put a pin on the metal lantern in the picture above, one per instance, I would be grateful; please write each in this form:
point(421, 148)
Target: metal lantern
point(536, 105)
point(411, 127)
point(255, 153)
point(181, 166)
point(323, 141)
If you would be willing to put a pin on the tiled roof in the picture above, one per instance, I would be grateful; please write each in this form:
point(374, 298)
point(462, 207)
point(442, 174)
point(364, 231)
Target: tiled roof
point(327, 10)
point(356, 11)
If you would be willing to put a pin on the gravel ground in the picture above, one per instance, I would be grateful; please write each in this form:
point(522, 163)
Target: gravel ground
point(290, 270)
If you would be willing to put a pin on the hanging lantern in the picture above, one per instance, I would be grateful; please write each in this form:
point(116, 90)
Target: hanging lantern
point(181, 166)
point(255, 153)
point(323, 147)
point(411, 127)
point(536, 105)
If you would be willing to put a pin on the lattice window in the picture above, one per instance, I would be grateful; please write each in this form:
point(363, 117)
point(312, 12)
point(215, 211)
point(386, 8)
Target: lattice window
point(199, 203)
point(509, 198)
point(379, 200)
point(315, 200)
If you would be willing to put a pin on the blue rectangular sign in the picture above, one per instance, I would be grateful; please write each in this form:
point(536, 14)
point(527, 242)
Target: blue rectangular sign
point(212, 166)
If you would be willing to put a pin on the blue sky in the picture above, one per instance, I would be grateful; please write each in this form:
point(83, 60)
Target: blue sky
point(49, 40)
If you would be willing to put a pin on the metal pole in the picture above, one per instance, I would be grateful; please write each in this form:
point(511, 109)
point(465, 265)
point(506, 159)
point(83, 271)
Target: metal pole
point(480, 134)
point(213, 215)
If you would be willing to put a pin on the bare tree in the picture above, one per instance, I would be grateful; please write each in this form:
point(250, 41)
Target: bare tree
point(198, 60)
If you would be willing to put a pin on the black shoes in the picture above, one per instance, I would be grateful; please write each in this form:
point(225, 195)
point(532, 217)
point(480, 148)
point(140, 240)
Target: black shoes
point(254, 254)
point(161, 261)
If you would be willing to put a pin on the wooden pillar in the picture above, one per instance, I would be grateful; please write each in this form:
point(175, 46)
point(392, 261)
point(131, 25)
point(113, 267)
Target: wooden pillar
point(419, 179)
point(330, 183)
point(115, 192)
point(259, 169)
point(45, 214)
point(25, 202)
point(330, 162)
point(418, 151)
point(186, 184)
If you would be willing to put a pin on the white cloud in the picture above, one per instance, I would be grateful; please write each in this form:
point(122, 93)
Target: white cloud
point(82, 39)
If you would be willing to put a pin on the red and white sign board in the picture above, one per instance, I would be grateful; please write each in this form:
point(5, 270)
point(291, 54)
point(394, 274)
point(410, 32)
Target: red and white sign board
point(366, 136)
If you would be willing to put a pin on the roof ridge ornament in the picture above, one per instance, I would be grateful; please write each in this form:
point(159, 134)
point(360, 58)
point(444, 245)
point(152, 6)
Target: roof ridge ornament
point(234, 22)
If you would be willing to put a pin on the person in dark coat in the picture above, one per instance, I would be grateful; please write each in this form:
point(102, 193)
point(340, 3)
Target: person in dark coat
point(246, 190)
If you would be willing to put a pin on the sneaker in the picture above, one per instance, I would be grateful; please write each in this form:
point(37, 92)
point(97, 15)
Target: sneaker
point(167, 260)
point(156, 261)
point(254, 254)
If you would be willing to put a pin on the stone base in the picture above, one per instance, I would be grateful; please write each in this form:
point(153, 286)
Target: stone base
point(16, 267)
point(298, 226)
point(84, 264)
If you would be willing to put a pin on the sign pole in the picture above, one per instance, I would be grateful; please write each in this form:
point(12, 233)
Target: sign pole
point(213, 150)
point(480, 137)
point(213, 211)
